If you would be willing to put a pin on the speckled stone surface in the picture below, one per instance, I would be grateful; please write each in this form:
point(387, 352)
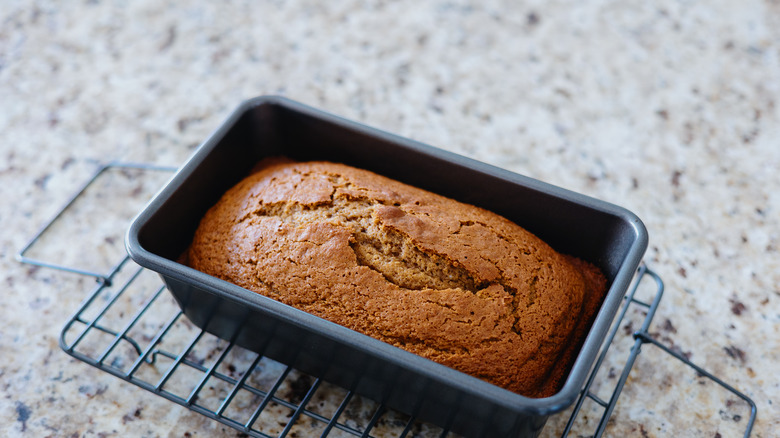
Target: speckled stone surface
point(668, 108)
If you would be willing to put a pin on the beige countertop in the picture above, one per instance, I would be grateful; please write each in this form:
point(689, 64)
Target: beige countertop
point(667, 108)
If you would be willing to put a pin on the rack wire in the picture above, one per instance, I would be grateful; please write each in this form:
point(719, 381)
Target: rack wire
point(130, 328)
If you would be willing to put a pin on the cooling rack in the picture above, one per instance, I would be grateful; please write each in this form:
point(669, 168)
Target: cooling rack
point(130, 328)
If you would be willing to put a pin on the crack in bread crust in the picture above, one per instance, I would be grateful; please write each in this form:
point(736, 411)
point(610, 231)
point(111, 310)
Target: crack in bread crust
point(380, 248)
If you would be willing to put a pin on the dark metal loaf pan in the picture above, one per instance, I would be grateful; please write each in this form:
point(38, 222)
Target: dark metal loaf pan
point(609, 236)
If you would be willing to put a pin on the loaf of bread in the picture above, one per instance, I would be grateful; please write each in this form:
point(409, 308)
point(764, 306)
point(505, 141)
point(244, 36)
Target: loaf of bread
point(451, 282)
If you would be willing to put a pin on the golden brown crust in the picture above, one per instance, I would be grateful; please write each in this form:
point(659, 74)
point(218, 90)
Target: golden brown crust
point(448, 281)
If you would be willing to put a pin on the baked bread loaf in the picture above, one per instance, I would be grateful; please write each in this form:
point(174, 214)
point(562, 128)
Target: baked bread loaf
point(448, 281)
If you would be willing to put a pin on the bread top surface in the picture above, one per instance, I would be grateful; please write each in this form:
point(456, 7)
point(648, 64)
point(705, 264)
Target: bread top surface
point(449, 281)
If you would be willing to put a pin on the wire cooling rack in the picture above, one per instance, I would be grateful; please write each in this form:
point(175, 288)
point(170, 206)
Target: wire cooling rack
point(130, 328)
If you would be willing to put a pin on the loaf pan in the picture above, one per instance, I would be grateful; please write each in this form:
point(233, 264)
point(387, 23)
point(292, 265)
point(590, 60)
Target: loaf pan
point(609, 236)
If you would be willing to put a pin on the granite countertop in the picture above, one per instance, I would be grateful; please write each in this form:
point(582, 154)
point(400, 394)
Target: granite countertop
point(667, 108)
